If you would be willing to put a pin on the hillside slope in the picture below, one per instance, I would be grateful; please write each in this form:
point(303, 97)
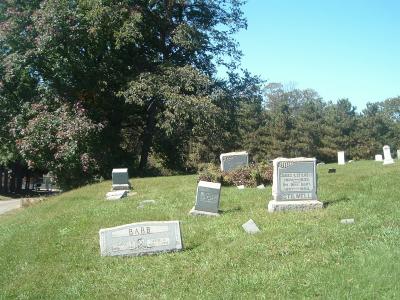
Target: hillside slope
point(51, 250)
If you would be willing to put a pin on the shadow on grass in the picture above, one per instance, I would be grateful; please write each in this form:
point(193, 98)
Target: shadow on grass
point(231, 210)
point(336, 201)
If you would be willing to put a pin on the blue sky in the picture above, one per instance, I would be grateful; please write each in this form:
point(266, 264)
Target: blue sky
point(342, 49)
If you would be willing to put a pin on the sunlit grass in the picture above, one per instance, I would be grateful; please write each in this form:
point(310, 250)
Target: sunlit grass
point(51, 250)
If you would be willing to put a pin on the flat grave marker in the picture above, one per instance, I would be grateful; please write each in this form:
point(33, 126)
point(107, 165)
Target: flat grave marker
point(141, 238)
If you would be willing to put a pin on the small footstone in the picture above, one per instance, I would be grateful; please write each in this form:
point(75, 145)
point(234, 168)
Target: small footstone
point(195, 212)
point(240, 187)
point(332, 171)
point(261, 186)
point(347, 221)
point(250, 227)
point(147, 202)
point(116, 195)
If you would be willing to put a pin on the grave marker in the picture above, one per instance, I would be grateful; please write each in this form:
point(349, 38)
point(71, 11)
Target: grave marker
point(141, 239)
point(294, 185)
point(387, 156)
point(234, 160)
point(341, 160)
point(378, 157)
point(398, 154)
point(120, 179)
point(207, 199)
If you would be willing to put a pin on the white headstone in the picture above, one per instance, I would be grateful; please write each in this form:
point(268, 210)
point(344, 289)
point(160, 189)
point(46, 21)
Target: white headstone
point(141, 238)
point(378, 157)
point(294, 185)
point(234, 160)
point(341, 160)
point(207, 199)
point(387, 156)
point(398, 154)
point(240, 187)
point(120, 179)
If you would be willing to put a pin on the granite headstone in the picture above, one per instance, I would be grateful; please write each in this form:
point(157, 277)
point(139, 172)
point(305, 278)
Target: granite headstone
point(207, 199)
point(294, 185)
point(141, 239)
point(387, 156)
point(120, 179)
point(341, 160)
point(234, 160)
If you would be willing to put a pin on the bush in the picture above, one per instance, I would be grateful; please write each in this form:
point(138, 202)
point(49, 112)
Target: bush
point(251, 176)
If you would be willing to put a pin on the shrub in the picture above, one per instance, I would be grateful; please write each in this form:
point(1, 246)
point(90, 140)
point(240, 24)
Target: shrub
point(251, 176)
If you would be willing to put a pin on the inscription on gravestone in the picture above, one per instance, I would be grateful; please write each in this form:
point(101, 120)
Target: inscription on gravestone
point(141, 238)
point(120, 179)
point(234, 160)
point(294, 184)
point(207, 198)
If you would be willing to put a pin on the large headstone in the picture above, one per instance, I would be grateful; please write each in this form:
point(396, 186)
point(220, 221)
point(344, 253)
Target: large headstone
point(398, 154)
point(207, 199)
point(341, 160)
point(378, 157)
point(387, 156)
point(120, 179)
point(141, 238)
point(234, 160)
point(294, 185)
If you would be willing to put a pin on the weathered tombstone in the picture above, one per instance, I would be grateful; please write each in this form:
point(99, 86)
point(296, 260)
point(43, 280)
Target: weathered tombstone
point(387, 156)
point(378, 157)
point(398, 154)
point(116, 195)
point(341, 160)
point(261, 186)
point(331, 170)
point(207, 199)
point(240, 187)
point(294, 185)
point(120, 179)
point(250, 227)
point(234, 160)
point(141, 238)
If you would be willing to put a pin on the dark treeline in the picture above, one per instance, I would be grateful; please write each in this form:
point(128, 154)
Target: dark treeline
point(89, 85)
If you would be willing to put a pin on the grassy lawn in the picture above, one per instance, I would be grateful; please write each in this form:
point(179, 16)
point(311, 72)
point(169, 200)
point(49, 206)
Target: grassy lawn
point(51, 250)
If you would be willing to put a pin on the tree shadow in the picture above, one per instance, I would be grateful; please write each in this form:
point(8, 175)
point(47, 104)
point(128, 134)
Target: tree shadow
point(336, 201)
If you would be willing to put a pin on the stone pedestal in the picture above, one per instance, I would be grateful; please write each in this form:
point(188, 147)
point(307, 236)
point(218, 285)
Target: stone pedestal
point(274, 205)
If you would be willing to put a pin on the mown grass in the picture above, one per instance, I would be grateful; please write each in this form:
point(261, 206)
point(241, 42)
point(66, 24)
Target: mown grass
point(51, 250)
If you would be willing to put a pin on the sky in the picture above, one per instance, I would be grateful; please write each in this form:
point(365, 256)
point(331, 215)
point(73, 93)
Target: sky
point(342, 49)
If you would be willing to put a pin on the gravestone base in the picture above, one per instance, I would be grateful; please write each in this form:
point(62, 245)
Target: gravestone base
point(195, 212)
point(121, 187)
point(298, 205)
point(388, 161)
point(116, 195)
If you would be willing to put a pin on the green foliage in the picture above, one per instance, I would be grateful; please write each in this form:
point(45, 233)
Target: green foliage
point(59, 138)
point(251, 176)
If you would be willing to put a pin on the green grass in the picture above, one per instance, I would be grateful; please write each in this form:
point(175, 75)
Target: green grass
point(51, 250)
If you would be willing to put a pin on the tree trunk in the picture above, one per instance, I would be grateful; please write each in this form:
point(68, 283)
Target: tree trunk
point(18, 177)
point(5, 187)
point(147, 137)
point(1, 179)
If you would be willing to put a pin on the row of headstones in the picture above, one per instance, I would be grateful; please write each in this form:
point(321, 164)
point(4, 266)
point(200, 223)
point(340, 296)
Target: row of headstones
point(387, 156)
point(294, 188)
